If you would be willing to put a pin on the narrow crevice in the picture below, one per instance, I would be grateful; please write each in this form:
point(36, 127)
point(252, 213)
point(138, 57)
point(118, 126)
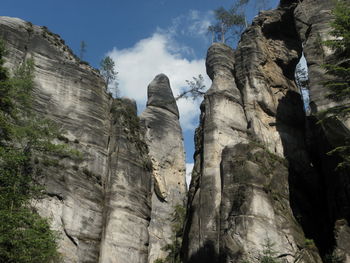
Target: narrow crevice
point(309, 191)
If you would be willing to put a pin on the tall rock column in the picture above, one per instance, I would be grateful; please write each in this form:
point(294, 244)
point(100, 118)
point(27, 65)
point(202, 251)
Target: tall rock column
point(127, 200)
point(165, 143)
point(223, 122)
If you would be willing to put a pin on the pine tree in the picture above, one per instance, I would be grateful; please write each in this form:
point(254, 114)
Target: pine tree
point(339, 72)
point(230, 22)
point(109, 74)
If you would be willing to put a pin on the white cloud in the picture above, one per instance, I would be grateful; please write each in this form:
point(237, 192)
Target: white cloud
point(193, 24)
point(160, 53)
point(189, 168)
point(200, 23)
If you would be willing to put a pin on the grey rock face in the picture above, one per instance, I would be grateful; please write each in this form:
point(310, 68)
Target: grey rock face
point(101, 204)
point(313, 25)
point(253, 99)
point(265, 62)
point(312, 22)
point(255, 208)
point(128, 189)
point(231, 206)
point(72, 95)
point(165, 143)
point(160, 94)
point(342, 237)
point(223, 122)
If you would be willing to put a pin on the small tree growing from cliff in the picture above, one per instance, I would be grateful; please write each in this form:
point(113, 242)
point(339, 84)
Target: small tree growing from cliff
point(268, 254)
point(195, 88)
point(107, 69)
point(230, 22)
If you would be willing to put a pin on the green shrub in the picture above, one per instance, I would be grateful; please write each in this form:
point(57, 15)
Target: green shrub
point(310, 243)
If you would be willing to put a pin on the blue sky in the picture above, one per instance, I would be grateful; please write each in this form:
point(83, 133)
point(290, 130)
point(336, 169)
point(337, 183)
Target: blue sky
point(144, 37)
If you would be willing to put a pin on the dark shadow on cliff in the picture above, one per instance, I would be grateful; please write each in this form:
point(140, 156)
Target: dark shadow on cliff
point(206, 254)
point(309, 191)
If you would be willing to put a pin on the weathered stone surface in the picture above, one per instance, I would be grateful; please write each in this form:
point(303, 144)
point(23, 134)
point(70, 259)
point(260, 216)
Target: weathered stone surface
point(160, 94)
point(342, 237)
point(100, 205)
point(165, 142)
point(312, 19)
point(223, 122)
point(128, 189)
point(255, 207)
point(266, 108)
point(265, 62)
point(72, 95)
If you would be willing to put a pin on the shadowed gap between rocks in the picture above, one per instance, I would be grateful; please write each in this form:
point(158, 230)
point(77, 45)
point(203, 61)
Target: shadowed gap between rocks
point(309, 189)
point(206, 254)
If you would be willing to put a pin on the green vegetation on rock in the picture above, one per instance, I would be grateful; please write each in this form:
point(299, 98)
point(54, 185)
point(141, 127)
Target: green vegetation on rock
point(25, 237)
point(174, 248)
point(339, 84)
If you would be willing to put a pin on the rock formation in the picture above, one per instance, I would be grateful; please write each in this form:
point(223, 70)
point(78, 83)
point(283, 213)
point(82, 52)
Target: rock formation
point(100, 203)
point(71, 94)
point(222, 122)
point(164, 139)
point(127, 195)
point(262, 176)
point(239, 201)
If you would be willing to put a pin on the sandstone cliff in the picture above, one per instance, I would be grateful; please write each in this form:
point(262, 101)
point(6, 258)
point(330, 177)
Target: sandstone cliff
point(100, 204)
point(261, 175)
point(237, 198)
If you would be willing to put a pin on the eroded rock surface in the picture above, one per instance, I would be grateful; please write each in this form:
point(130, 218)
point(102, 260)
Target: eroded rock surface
point(165, 143)
point(229, 220)
point(100, 204)
point(127, 199)
point(222, 122)
point(255, 208)
point(312, 19)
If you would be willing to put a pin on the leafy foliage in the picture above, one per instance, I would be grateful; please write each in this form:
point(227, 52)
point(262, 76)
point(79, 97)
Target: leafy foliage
point(230, 22)
point(195, 88)
point(339, 85)
point(25, 237)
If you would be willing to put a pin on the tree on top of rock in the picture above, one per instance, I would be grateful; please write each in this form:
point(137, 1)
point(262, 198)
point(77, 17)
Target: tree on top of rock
point(109, 74)
point(230, 22)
